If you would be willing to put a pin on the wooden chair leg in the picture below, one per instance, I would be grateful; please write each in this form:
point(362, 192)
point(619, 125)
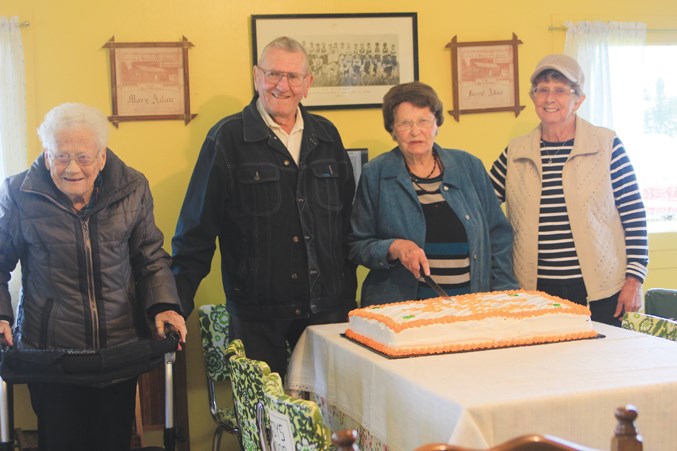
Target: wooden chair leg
point(138, 421)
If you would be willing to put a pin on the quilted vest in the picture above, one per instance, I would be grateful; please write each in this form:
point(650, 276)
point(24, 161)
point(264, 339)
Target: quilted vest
point(595, 222)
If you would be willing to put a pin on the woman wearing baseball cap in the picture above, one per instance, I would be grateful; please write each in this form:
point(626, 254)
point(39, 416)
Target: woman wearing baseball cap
point(573, 201)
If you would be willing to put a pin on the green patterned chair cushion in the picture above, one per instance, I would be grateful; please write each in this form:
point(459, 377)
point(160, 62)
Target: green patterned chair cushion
point(227, 417)
point(300, 418)
point(246, 376)
point(214, 327)
point(649, 324)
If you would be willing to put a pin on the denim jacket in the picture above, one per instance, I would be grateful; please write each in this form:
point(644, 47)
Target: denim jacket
point(386, 207)
point(281, 227)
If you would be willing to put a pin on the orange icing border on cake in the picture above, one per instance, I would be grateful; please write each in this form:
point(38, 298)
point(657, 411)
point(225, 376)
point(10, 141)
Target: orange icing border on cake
point(442, 349)
point(369, 313)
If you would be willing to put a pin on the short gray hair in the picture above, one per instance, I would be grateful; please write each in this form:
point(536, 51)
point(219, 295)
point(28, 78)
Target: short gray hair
point(553, 74)
point(287, 44)
point(73, 115)
point(418, 94)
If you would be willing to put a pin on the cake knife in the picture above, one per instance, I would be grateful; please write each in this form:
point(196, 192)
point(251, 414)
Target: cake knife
point(432, 284)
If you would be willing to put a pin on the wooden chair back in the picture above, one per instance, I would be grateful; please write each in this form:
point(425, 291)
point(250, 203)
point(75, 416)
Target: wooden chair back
point(625, 438)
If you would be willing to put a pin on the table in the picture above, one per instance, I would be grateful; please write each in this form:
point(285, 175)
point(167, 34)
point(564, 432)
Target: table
point(483, 398)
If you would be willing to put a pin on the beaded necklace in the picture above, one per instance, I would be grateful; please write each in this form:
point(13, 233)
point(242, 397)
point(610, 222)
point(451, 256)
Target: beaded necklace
point(417, 180)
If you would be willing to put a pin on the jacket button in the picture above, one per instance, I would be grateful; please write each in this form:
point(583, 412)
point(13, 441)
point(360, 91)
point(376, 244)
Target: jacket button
point(446, 188)
point(300, 200)
point(295, 239)
point(297, 311)
point(286, 162)
point(294, 276)
point(467, 217)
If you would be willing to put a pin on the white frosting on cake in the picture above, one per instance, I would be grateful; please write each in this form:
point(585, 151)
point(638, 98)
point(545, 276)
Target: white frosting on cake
point(481, 320)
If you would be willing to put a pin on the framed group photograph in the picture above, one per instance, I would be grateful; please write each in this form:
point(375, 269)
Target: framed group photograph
point(485, 76)
point(354, 58)
point(149, 81)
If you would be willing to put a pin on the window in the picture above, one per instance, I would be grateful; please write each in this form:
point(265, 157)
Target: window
point(645, 118)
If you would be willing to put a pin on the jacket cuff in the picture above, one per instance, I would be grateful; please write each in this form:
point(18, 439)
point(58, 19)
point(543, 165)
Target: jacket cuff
point(153, 310)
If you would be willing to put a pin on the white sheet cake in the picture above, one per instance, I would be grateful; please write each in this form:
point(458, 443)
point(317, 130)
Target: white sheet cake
point(469, 322)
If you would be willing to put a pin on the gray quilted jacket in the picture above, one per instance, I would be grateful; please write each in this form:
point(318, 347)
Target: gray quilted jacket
point(88, 282)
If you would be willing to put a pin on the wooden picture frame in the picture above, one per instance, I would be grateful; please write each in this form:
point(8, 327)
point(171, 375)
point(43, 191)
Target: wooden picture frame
point(149, 81)
point(344, 76)
point(485, 76)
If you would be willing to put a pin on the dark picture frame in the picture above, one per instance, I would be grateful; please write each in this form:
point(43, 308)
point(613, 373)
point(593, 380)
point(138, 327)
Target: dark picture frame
point(358, 158)
point(348, 72)
point(149, 81)
point(485, 76)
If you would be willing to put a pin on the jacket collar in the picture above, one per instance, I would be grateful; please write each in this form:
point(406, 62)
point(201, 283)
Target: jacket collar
point(583, 144)
point(255, 128)
point(117, 181)
point(397, 167)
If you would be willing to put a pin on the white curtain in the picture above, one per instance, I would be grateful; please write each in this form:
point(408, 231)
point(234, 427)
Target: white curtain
point(13, 145)
point(608, 79)
point(13, 94)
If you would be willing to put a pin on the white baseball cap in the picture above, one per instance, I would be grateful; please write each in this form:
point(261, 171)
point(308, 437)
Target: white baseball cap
point(563, 64)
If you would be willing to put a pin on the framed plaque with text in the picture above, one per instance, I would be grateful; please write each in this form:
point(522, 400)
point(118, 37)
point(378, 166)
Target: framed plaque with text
point(149, 81)
point(484, 76)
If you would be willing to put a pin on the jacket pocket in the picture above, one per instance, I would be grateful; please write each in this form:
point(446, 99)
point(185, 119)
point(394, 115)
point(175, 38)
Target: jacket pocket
point(326, 183)
point(260, 188)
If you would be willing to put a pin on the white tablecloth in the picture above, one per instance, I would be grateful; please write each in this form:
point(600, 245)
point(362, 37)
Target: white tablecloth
point(483, 398)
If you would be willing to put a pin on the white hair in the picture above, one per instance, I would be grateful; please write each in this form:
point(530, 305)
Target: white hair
point(73, 115)
point(287, 44)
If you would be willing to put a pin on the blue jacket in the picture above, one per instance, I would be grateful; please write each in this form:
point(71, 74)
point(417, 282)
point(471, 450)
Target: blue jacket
point(386, 207)
point(281, 227)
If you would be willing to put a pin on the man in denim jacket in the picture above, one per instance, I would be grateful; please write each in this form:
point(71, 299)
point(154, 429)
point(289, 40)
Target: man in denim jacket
point(274, 184)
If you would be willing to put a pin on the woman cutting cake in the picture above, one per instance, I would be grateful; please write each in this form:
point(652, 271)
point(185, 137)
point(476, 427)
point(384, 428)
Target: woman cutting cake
point(423, 209)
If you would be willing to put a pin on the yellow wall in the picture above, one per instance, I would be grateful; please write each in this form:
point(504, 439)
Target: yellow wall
point(65, 63)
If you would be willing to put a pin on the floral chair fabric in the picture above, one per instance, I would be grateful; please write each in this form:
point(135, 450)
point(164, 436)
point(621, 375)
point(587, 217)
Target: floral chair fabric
point(247, 378)
point(649, 324)
point(214, 325)
point(308, 430)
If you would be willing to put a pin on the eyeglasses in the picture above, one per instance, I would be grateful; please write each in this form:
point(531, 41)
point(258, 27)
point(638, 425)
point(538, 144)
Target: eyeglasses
point(556, 92)
point(405, 126)
point(82, 159)
point(274, 77)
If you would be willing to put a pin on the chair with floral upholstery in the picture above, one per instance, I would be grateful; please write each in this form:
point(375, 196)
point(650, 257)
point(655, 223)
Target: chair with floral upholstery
point(661, 302)
point(649, 324)
point(214, 325)
point(247, 377)
point(291, 423)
